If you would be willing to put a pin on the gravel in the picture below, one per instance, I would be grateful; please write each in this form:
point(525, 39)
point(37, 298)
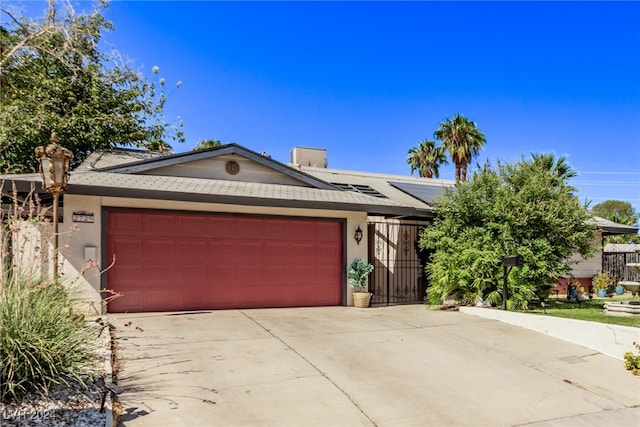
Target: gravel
point(68, 407)
point(63, 407)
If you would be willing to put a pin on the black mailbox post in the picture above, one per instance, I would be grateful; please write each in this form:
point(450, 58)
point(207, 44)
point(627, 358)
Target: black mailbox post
point(512, 261)
point(508, 263)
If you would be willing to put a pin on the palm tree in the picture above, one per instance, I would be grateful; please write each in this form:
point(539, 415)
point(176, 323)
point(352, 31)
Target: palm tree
point(426, 158)
point(207, 143)
point(463, 140)
point(559, 168)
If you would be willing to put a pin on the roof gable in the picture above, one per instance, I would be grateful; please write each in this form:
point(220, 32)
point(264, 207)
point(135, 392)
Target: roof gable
point(230, 162)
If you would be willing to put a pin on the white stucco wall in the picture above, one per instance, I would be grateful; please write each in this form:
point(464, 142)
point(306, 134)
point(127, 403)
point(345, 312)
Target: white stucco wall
point(32, 249)
point(81, 235)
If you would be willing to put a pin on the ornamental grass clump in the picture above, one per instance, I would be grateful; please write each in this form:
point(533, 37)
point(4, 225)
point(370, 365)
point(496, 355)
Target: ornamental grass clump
point(42, 341)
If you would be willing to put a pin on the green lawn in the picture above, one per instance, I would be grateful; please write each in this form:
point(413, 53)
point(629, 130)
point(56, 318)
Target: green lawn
point(591, 310)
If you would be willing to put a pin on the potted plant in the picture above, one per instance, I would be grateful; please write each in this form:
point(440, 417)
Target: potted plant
point(580, 297)
point(357, 274)
point(601, 283)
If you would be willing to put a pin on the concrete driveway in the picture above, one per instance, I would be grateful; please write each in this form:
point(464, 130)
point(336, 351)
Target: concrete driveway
point(341, 366)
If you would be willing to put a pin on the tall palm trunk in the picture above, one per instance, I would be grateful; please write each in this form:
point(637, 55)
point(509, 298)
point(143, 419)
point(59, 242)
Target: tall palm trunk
point(463, 171)
point(458, 171)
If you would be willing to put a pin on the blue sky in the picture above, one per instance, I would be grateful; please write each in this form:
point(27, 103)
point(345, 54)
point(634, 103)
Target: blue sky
point(367, 81)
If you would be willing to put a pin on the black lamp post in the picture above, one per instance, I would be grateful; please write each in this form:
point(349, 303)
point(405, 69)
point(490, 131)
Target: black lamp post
point(55, 162)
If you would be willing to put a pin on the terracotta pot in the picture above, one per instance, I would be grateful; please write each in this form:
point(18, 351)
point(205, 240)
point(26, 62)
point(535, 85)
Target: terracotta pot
point(361, 299)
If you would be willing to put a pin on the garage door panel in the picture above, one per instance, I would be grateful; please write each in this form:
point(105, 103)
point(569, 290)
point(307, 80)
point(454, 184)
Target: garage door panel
point(328, 251)
point(192, 275)
point(158, 223)
point(221, 273)
point(124, 274)
point(191, 297)
point(276, 252)
point(124, 224)
point(158, 251)
point(182, 261)
point(304, 249)
point(328, 231)
point(165, 299)
point(130, 300)
point(249, 228)
point(300, 231)
point(191, 225)
point(192, 252)
point(250, 251)
point(131, 249)
point(221, 227)
point(326, 275)
point(275, 230)
point(221, 251)
point(249, 275)
point(159, 275)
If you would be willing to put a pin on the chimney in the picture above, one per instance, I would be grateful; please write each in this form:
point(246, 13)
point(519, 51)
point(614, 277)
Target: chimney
point(303, 156)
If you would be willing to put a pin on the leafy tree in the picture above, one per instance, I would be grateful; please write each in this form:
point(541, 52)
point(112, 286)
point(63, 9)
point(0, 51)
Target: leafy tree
point(617, 211)
point(207, 143)
point(463, 140)
point(54, 78)
point(621, 212)
point(426, 158)
point(516, 209)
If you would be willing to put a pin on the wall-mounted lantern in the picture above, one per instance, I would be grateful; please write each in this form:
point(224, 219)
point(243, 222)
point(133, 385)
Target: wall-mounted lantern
point(358, 235)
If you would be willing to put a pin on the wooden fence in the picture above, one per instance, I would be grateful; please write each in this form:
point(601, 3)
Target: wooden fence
point(616, 264)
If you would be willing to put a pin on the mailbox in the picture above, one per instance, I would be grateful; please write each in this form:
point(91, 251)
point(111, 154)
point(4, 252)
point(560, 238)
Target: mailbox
point(512, 261)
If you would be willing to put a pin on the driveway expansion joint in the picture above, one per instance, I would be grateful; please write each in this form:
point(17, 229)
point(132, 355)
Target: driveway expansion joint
point(316, 368)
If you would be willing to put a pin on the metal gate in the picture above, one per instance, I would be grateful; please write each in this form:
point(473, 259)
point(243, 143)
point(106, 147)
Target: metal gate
point(399, 276)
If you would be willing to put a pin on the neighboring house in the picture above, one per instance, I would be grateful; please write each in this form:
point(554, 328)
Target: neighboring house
point(583, 270)
point(615, 258)
point(230, 228)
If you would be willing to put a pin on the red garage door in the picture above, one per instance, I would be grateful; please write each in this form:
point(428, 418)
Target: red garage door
point(181, 261)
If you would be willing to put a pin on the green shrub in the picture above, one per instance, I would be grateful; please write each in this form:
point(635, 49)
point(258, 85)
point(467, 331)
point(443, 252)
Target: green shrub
point(42, 341)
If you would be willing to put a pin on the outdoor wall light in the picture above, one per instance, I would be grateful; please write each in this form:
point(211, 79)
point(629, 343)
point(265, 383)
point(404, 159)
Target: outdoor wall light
point(55, 162)
point(358, 235)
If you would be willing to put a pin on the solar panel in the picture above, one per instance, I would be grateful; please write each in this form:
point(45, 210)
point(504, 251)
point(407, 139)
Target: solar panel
point(422, 192)
point(363, 189)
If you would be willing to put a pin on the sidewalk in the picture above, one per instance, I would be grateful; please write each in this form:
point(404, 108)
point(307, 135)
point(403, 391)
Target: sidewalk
point(611, 340)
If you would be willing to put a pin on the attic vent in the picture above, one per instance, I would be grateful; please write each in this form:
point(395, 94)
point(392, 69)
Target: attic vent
point(362, 189)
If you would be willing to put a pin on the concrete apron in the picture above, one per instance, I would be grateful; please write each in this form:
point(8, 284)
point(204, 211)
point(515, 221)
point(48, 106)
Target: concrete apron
point(336, 366)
